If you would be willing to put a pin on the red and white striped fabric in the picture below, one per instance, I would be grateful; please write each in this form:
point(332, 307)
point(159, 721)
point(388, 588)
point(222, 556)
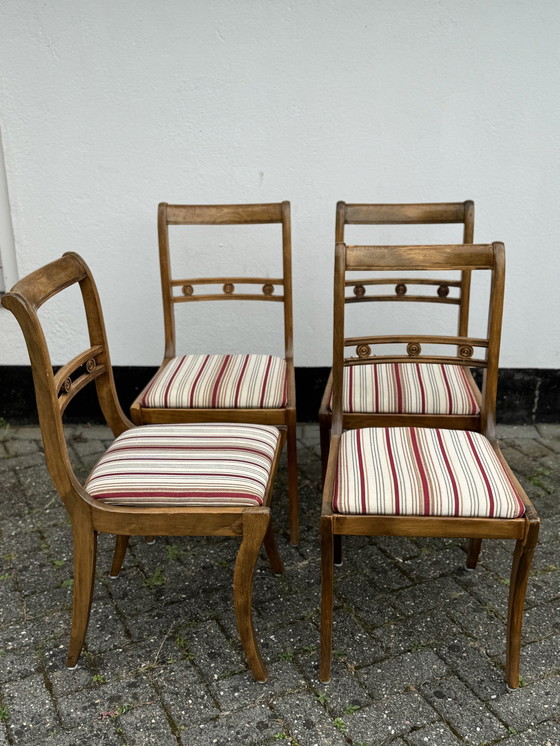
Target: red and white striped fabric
point(186, 465)
point(219, 382)
point(422, 471)
point(407, 388)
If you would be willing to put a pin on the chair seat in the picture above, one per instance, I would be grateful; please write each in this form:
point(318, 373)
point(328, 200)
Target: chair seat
point(407, 388)
point(215, 465)
point(219, 382)
point(422, 472)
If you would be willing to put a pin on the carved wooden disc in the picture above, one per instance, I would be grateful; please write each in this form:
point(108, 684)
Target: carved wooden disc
point(413, 349)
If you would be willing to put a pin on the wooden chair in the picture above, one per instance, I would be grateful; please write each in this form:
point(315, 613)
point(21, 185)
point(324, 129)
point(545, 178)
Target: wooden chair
point(412, 481)
point(225, 388)
point(449, 403)
point(178, 480)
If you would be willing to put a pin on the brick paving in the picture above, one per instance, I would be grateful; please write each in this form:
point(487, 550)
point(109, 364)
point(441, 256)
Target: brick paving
point(418, 644)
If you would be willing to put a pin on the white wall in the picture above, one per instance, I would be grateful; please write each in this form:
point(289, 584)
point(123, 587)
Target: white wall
point(109, 107)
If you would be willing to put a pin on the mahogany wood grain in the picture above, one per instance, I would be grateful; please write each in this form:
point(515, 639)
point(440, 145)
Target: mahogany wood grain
point(189, 215)
point(89, 516)
point(524, 530)
point(411, 214)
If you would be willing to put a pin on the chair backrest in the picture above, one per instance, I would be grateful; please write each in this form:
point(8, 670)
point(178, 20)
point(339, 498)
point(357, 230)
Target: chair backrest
point(485, 257)
point(415, 214)
point(54, 391)
point(184, 290)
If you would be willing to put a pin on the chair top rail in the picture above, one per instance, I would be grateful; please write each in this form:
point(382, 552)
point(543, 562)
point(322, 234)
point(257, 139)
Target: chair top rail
point(223, 214)
point(399, 214)
point(399, 258)
point(42, 284)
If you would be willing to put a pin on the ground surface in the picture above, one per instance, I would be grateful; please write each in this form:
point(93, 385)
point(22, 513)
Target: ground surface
point(419, 642)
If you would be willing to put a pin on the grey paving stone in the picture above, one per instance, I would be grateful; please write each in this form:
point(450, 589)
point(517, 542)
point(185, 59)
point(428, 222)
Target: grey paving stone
point(541, 621)
point(21, 447)
point(474, 667)
point(343, 693)
point(101, 734)
point(146, 724)
point(414, 633)
point(18, 664)
point(429, 595)
point(464, 711)
point(211, 650)
point(3, 737)
point(307, 721)
point(516, 431)
point(104, 702)
point(529, 705)
point(547, 734)
point(248, 727)
point(185, 694)
point(438, 734)
point(105, 629)
point(392, 716)
point(30, 708)
point(433, 564)
point(404, 672)
point(352, 643)
point(540, 659)
point(240, 691)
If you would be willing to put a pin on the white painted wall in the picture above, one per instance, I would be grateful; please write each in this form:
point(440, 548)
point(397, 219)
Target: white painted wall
point(109, 107)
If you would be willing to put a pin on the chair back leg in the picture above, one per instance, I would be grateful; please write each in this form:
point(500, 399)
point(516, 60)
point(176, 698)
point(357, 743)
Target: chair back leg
point(121, 544)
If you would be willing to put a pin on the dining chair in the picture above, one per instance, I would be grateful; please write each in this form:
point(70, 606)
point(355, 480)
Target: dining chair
point(406, 480)
point(154, 480)
point(215, 387)
point(424, 394)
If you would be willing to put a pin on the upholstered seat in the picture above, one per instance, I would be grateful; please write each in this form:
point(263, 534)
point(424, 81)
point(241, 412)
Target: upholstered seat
point(422, 472)
point(219, 382)
point(407, 388)
point(215, 465)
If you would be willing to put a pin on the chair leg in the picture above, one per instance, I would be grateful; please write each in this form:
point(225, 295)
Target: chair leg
point(293, 477)
point(521, 567)
point(255, 524)
point(473, 552)
point(272, 551)
point(121, 544)
point(85, 550)
point(327, 580)
point(325, 436)
point(337, 550)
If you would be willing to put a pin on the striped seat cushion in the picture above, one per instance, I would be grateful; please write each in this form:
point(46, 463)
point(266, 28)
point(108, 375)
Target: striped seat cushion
point(219, 382)
point(186, 465)
point(408, 388)
point(422, 472)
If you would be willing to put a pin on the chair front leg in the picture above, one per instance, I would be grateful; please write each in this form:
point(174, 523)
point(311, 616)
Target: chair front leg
point(255, 525)
point(327, 580)
point(85, 552)
point(522, 558)
point(121, 544)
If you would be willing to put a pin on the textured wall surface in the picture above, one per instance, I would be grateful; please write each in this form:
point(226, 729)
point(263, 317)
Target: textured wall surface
point(108, 108)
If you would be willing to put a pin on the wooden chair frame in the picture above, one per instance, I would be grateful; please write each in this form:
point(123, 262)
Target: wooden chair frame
point(89, 516)
point(523, 530)
point(404, 214)
point(230, 215)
